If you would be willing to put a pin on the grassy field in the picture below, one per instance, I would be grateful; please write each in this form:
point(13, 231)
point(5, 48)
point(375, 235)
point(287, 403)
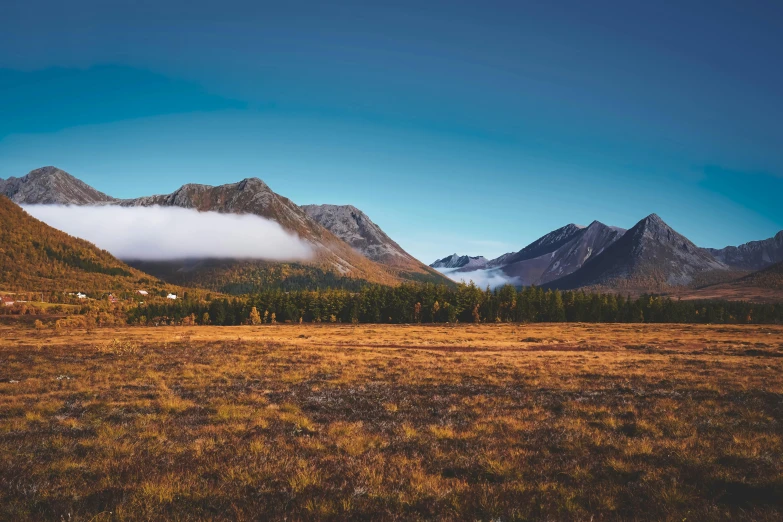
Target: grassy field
point(506, 422)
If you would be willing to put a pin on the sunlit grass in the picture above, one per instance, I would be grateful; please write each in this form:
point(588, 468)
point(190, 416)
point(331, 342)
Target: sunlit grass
point(509, 422)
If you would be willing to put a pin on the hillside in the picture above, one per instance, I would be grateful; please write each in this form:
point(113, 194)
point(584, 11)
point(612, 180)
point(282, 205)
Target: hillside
point(651, 256)
point(37, 257)
point(770, 277)
point(764, 286)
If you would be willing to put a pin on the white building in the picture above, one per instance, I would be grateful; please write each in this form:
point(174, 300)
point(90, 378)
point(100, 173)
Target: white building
point(171, 296)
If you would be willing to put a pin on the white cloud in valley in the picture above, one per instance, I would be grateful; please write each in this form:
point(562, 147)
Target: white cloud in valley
point(165, 233)
point(492, 277)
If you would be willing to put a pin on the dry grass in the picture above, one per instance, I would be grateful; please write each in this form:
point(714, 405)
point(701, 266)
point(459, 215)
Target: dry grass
point(509, 422)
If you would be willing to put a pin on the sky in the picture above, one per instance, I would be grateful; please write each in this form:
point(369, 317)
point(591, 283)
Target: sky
point(468, 127)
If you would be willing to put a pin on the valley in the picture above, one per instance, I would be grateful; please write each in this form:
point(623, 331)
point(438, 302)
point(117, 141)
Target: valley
point(444, 422)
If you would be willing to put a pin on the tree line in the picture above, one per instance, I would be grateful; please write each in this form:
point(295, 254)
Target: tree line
point(464, 303)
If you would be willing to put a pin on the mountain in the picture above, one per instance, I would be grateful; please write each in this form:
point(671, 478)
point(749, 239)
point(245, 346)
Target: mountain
point(354, 227)
point(49, 186)
point(543, 245)
point(335, 262)
point(37, 257)
point(556, 254)
point(763, 286)
point(586, 244)
point(651, 256)
point(755, 255)
point(464, 262)
point(333, 254)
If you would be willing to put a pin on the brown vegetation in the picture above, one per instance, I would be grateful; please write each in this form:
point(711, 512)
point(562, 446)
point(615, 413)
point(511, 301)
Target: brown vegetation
point(476, 422)
point(37, 257)
point(764, 286)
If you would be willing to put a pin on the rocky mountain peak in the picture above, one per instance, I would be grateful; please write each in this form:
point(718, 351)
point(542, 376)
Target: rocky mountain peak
point(355, 228)
point(653, 221)
point(463, 262)
point(50, 186)
point(253, 184)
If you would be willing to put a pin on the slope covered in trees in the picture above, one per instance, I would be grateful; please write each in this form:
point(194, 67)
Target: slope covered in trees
point(771, 277)
point(37, 257)
point(246, 276)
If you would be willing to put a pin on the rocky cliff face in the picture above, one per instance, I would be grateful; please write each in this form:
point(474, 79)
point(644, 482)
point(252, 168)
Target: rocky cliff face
point(354, 227)
point(50, 186)
point(755, 255)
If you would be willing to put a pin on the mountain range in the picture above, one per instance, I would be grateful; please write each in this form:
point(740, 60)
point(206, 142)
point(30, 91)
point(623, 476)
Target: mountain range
point(755, 255)
point(349, 249)
point(649, 257)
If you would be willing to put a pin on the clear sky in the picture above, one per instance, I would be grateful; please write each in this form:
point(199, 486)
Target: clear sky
point(472, 127)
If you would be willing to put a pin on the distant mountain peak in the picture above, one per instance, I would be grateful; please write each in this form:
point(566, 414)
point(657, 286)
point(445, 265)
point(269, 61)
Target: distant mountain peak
point(653, 221)
point(462, 262)
point(50, 186)
point(546, 244)
point(252, 184)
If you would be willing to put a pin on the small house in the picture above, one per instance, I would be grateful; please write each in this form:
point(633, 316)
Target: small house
point(7, 301)
point(171, 296)
point(142, 292)
point(81, 295)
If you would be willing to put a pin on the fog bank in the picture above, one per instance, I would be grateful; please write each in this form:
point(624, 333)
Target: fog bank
point(492, 277)
point(163, 233)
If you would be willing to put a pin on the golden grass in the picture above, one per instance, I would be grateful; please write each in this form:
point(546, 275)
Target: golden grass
point(510, 422)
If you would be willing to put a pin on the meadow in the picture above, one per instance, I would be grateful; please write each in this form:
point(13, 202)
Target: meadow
point(565, 421)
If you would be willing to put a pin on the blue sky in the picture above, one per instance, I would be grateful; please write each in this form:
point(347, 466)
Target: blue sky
point(472, 127)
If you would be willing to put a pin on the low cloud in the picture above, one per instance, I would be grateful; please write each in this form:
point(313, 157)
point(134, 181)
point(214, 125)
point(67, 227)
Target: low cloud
point(164, 233)
point(492, 277)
